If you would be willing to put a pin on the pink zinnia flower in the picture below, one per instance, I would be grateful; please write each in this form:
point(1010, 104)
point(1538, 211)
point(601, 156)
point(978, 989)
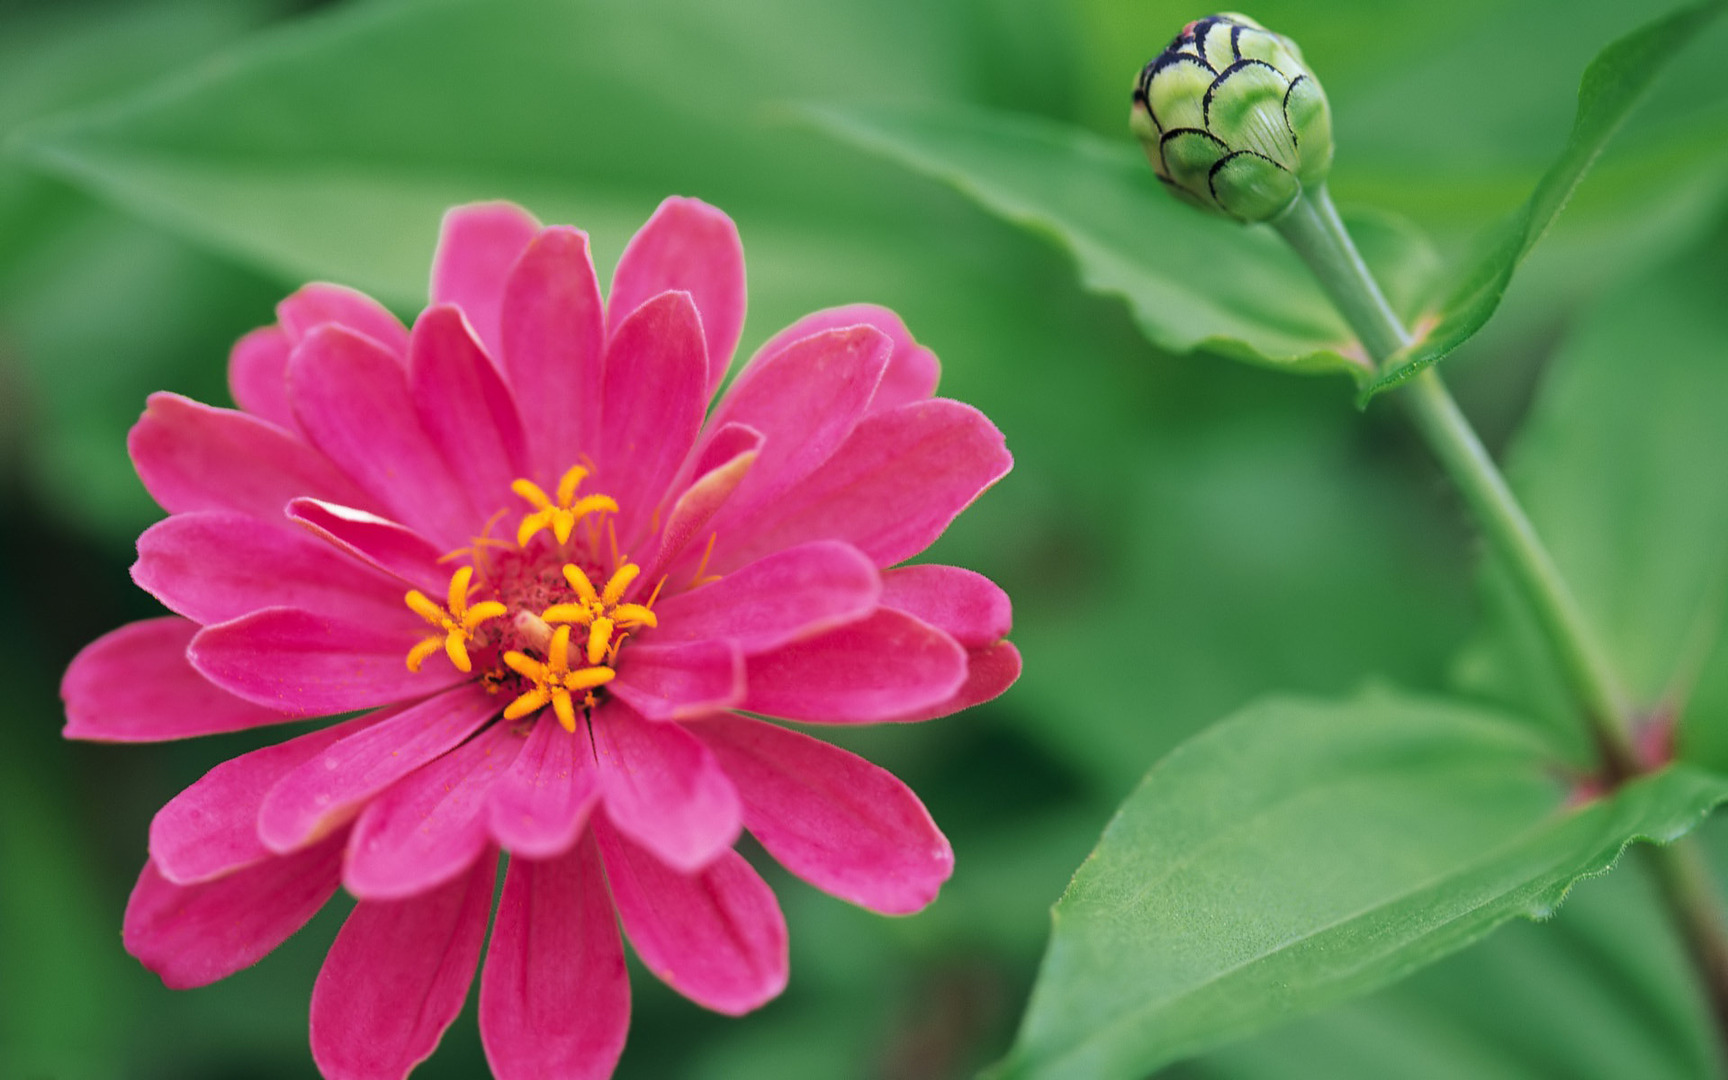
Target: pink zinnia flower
point(560, 591)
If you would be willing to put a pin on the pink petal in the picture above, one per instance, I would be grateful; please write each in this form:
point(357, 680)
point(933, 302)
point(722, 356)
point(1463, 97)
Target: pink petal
point(216, 565)
point(716, 936)
point(805, 399)
point(912, 371)
point(969, 606)
point(323, 304)
point(353, 402)
point(541, 803)
point(691, 247)
point(721, 466)
point(378, 542)
point(465, 407)
point(834, 819)
point(677, 682)
point(554, 994)
point(192, 935)
point(211, 828)
point(655, 396)
point(868, 671)
point(989, 671)
point(787, 596)
point(477, 246)
point(554, 332)
point(326, 791)
point(135, 684)
point(663, 789)
point(430, 825)
point(890, 490)
point(258, 376)
point(397, 976)
point(308, 664)
point(195, 457)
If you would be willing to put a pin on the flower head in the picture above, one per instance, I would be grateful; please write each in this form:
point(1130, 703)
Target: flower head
point(624, 575)
point(1232, 119)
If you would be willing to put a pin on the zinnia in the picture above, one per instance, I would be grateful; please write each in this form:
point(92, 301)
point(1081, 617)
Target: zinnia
point(606, 586)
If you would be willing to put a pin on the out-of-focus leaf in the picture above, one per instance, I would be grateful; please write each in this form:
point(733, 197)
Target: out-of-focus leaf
point(1193, 281)
point(1304, 852)
point(96, 310)
point(1613, 84)
point(331, 148)
point(1601, 992)
point(1621, 468)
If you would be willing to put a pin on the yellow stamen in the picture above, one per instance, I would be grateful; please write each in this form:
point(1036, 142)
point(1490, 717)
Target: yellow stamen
point(702, 567)
point(456, 622)
point(554, 682)
point(561, 516)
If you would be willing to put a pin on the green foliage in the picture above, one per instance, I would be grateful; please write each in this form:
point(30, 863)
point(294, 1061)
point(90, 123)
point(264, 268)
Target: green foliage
point(1600, 992)
point(1613, 84)
point(1302, 852)
point(1192, 281)
point(1619, 465)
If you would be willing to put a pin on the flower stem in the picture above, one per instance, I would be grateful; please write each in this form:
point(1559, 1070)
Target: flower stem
point(1313, 228)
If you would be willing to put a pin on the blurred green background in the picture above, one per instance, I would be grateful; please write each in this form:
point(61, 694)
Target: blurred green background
point(1179, 535)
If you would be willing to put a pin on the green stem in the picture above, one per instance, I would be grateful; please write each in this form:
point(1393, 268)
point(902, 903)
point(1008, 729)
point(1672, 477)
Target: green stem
point(1313, 228)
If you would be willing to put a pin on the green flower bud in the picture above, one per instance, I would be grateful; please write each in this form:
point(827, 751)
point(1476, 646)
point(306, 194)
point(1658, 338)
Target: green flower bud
point(1232, 119)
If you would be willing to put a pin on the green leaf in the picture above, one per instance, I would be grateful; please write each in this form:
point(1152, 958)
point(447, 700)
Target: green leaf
point(1602, 991)
point(1304, 852)
point(1612, 85)
point(1192, 281)
point(1619, 466)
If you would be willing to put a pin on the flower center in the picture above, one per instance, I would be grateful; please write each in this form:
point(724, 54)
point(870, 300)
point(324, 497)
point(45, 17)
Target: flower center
point(544, 585)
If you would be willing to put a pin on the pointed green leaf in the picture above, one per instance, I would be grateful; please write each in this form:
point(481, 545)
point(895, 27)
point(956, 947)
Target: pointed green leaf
point(1304, 852)
point(1192, 281)
point(1612, 85)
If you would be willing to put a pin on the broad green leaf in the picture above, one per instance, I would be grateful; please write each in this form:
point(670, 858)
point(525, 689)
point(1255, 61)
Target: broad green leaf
point(1612, 85)
point(1602, 991)
point(1304, 852)
point(1192, 281)
point(1620, 466)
